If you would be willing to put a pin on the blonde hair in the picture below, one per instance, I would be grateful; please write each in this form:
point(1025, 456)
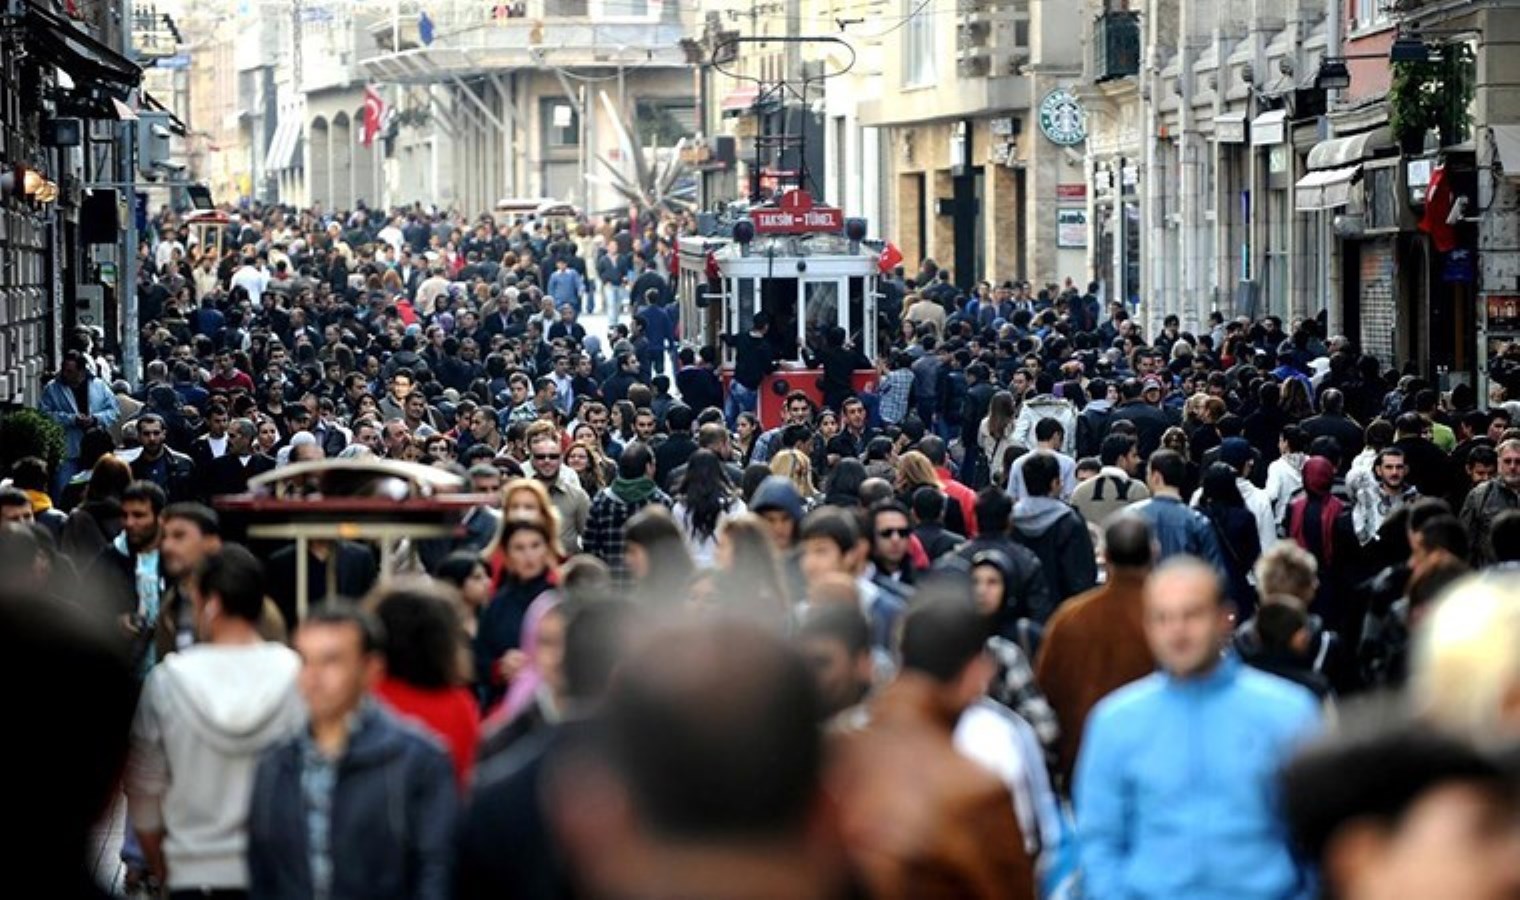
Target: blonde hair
point(548, 515)
point(914, 470)
point(1286, 568)
point(795, 466)
point(1465, 666)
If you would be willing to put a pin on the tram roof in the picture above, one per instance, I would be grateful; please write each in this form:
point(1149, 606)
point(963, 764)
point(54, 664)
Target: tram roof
point(798, 246)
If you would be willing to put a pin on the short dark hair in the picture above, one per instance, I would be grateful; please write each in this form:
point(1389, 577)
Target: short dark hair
point(1445, 532)
point(337, 612)
point(841, 622)
point(994, 510)
point(145, 491)
point(1277, 623)
point(714, 732)
point(941, 635)
point(1127, 542)
point(833, 524)
point(10, 496)
point(928, 504)
point(933, 446)
point(634, 461)
point(30, 473)
point(1045, 429)
point(237, 577)
point(203, 517)
point(1375, 773)
point(1115, 447)
point(1170, 465)
point(1040, 469)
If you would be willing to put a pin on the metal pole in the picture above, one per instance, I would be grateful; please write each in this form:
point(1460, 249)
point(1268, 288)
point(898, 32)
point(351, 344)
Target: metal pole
point(127, 272)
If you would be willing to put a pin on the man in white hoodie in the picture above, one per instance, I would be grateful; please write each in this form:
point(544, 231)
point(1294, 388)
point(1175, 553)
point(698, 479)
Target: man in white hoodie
point(206, 715)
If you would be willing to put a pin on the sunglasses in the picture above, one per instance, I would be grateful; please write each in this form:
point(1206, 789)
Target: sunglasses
point(546, 457)
point(893, 533)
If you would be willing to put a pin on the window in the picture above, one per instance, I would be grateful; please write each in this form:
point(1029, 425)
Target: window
point(663, 122)
point(561, 124)
point(1371, 13)
point(918, 43)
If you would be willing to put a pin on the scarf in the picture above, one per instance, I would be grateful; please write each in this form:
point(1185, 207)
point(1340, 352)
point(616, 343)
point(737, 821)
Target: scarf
point(1319, 475)
point(40, 501)
point(633, 490)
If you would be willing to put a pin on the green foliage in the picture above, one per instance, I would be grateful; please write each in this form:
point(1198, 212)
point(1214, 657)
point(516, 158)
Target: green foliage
point(27, 432)
point(1434, 94)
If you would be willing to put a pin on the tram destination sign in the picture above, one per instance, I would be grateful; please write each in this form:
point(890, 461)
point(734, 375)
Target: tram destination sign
point(797, 214)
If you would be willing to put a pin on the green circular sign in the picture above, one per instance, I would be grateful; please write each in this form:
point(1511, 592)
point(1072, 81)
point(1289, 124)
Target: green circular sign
point(1062, 118)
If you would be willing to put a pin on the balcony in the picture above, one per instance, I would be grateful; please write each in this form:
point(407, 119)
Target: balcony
point(466, 37)
point(1116, 46)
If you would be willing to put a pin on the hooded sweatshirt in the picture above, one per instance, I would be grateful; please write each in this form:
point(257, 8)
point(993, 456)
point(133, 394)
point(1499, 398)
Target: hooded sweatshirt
point(1059, 537)
point(207, 714)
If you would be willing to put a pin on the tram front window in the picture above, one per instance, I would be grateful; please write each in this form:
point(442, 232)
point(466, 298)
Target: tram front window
point(778, 297)
point(822, 311)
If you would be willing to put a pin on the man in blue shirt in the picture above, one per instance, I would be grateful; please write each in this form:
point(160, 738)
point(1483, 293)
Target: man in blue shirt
point(566, 285)
point(1176, 784)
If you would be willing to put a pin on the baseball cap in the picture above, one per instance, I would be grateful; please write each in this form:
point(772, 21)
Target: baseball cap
point(1234, 452)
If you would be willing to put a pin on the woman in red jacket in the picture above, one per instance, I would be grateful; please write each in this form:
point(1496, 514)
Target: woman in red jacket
point(424, 671)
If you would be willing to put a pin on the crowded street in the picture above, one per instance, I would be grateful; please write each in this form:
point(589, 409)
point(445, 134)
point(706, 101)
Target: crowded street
point(559, 450)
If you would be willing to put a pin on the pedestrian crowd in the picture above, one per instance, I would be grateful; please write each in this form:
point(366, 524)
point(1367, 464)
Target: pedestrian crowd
point(1055, 608)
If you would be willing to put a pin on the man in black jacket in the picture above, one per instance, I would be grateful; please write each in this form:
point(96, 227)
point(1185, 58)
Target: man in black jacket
point(230, 472)
point(754, 358)
point(696, 380)
point(1150, 421)
point(978, 400)
point(1030, 590)
point(166, 467)
point(382, 793)
point(1054, 532)
point(1333, 422)
point(677, 448)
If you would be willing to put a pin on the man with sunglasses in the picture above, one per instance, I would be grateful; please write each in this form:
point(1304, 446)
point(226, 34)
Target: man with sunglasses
point(546, 455)
point(891, 545)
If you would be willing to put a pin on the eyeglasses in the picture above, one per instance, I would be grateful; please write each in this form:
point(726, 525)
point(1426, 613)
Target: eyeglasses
point(546, 457)
point(887, 533)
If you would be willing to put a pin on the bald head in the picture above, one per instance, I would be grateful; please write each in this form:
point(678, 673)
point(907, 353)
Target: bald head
point(1187, 621)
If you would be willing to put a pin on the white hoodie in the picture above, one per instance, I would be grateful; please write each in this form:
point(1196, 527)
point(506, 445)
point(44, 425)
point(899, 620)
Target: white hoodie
point(206, 715)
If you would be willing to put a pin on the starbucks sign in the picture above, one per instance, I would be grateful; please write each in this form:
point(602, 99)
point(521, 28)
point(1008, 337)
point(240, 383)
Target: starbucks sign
point(1062, 118)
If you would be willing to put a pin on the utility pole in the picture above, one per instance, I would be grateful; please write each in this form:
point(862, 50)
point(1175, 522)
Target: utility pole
point(126, 157)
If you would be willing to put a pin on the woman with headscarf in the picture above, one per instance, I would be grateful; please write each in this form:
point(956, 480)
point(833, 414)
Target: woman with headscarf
point(1320, 522)
point(535, 698)
point(524, 568)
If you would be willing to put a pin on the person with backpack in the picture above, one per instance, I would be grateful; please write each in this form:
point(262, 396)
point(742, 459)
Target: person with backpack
point(1115, 487)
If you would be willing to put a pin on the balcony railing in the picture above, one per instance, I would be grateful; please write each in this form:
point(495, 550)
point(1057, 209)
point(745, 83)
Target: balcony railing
point(1116, 46)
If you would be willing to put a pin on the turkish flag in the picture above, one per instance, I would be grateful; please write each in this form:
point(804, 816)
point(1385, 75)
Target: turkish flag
point(891, 258)
point(374, 112)
point(1438, 202)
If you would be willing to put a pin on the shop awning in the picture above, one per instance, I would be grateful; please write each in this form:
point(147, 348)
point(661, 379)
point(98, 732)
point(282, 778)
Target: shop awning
point(84, 58)
point(176, 125)
point(1325, 189)
point(1269, 128)
point(282, 147)
point(1507, 148)
point(740, 99)
point(1343, 151)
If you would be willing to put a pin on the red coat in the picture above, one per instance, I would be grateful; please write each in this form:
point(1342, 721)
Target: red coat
point(450, 713)
point(961, 494)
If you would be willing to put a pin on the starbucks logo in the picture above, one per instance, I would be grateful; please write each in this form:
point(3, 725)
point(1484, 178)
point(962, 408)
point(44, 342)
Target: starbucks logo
point(1062, 118)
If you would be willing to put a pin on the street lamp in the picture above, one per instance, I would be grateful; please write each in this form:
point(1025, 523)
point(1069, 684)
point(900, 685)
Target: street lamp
point(1409, 48)
point(1332, 75)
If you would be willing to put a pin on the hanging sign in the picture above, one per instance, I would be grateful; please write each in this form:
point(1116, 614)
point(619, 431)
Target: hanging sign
point(796, 214)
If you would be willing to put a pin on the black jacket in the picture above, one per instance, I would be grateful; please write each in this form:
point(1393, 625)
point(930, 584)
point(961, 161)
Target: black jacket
point(1065, 549)
point(754, 358)
point(1031, 589)
point(1345, 431)
point(176, 474)
point(674, 451)
point(1150, 424)
point(228, 475)
point(700, 388)
point(391, 832)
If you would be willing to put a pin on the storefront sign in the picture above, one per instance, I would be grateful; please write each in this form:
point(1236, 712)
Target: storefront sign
point(1071, 192)
point(796, 214)
point(1459, 266)
point(1071, 228)
point(1063, 119)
